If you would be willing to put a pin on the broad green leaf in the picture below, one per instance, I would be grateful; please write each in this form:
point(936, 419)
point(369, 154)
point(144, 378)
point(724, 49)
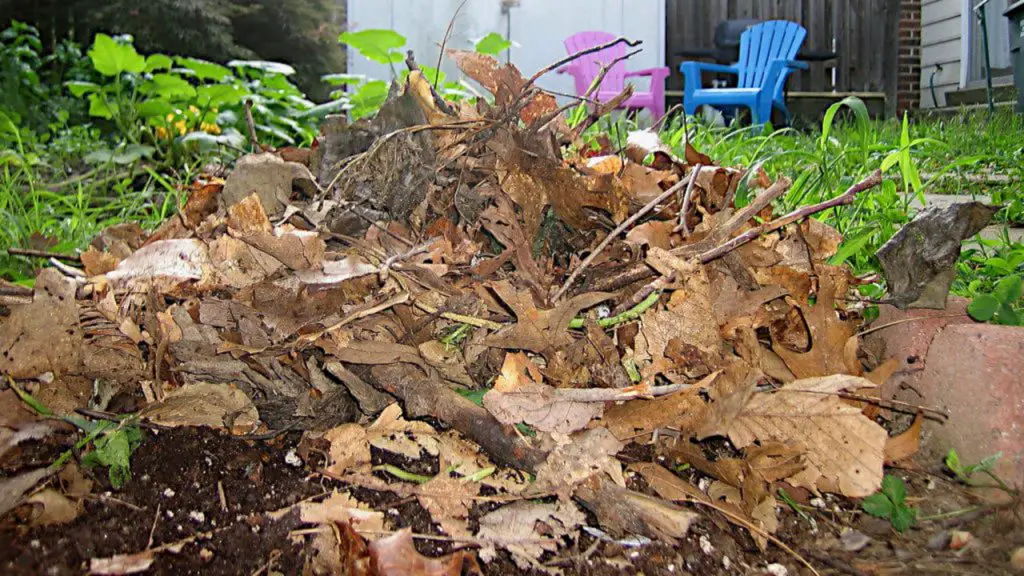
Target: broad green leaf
point(111, 58)
point(219, 95)
point(903, 518)
point(154, 108)
point(850, 247)
point(369, 99)
point(79, 88)
point(101, 156)
point(376, 44)
point(264, 65)
point(894, 488)
point(493, 43)
point(1007, 316)
point(133, 153)
point(1009, 289)
point(169, 86)
point(983, 308)
point(156, 62)
point(98, 107)
point(878, 505)
point(343, 79)
point(203, 69)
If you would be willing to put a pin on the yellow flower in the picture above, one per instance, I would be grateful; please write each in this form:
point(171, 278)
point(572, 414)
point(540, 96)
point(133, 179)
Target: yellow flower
point(193, 109)
point(170, 117)
point(161, 132)
point(181, 126)
point(209, 128)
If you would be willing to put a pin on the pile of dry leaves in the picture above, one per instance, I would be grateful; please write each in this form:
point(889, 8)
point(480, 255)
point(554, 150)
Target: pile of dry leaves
point(414, 283)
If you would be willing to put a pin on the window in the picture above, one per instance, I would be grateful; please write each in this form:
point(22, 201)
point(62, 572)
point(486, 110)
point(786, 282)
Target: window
point(973, 48)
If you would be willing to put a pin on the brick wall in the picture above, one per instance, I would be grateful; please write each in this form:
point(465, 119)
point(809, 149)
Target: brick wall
point(908, 89)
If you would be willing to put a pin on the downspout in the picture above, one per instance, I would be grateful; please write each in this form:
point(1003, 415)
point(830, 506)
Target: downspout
point(979, 10)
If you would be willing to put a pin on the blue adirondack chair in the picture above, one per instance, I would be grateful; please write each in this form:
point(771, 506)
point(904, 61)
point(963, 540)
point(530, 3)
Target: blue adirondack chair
point(767, 52)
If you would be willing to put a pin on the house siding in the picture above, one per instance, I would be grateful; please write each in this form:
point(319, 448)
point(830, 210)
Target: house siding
point(941, 31)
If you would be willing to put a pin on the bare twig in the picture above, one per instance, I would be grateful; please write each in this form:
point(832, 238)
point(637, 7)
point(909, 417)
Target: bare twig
point(683, 226)
point(617, 394)
point(845, 198)
point(252, 126)
point(444, 41)
point(43, 254)
point(618, 230)
point(571, 57)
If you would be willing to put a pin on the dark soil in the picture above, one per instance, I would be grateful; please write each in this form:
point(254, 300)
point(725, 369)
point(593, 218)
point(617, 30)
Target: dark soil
point(174, 494)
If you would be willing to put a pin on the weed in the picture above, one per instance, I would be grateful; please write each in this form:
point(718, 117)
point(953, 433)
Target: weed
point(890, 504)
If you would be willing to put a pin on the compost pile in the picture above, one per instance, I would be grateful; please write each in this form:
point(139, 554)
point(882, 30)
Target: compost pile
point(473, 285)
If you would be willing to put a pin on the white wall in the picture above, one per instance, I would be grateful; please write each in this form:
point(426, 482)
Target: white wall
point(941, 30)
point(537, 30)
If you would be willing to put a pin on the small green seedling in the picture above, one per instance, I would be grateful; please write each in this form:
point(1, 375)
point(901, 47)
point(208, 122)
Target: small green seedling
point(998, 307)
point(965, 472)
point(890, 504)
point(113, 450)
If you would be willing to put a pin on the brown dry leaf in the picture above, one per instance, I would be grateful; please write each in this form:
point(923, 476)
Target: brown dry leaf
point(656, 234)
point(54, 508)
point(688, 328)
point(339, 508)
point(636, 418)
point(95, 262)
point(448, 361)
point(623, 512)
point(587, 454)
point(44, 336)
point(75, 484)
point(270, 177)
point(828, 333)
point(395, 555)
point(416, 83)
point(535, 182)
point(123, 563)
point(844, 449)
point(500, 220)
point(29, 430)
point(540, 331)
point(239, 265)
point(395, 434)
point(519, 396)
point(505, 83)
point(644, 184)
point(247, 217)
point(201, 404)
point(643, 143)
point(448, 500)
point(165, 265)
point(528, 529)
point(727, 396)
point(349, 450)
point(13, 489)
point(333, 272)
point(296, 249)
point(905, 445)
point(666, 484)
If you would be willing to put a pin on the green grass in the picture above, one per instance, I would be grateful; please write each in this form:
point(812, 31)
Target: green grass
point(67, 219)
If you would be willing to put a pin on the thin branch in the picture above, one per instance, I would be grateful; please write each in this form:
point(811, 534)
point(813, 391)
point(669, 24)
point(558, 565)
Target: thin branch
point(252, 126)
point(571, 57)
point(845, 198)
point(43, 254)
point(612, 235)
point(683, 226)
point(444, 41)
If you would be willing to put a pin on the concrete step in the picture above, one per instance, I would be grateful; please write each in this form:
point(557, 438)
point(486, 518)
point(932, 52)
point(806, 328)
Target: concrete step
point(1001, 92)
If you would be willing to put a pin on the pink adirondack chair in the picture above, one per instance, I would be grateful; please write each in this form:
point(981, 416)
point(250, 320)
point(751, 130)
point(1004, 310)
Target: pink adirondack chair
point(586, 68)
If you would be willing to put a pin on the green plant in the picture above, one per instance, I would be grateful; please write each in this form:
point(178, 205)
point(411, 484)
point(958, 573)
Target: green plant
point(113, 450)
point(890, 504)
point(1002, 305)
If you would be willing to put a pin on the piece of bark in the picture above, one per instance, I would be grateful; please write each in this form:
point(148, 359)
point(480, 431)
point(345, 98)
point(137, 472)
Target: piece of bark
point(427, 396)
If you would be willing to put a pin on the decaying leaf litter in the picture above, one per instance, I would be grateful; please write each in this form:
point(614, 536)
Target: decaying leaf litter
point(416, 285)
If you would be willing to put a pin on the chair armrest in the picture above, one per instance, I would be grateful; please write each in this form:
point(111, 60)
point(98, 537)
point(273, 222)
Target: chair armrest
point(661, 71)
point(698, 67)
